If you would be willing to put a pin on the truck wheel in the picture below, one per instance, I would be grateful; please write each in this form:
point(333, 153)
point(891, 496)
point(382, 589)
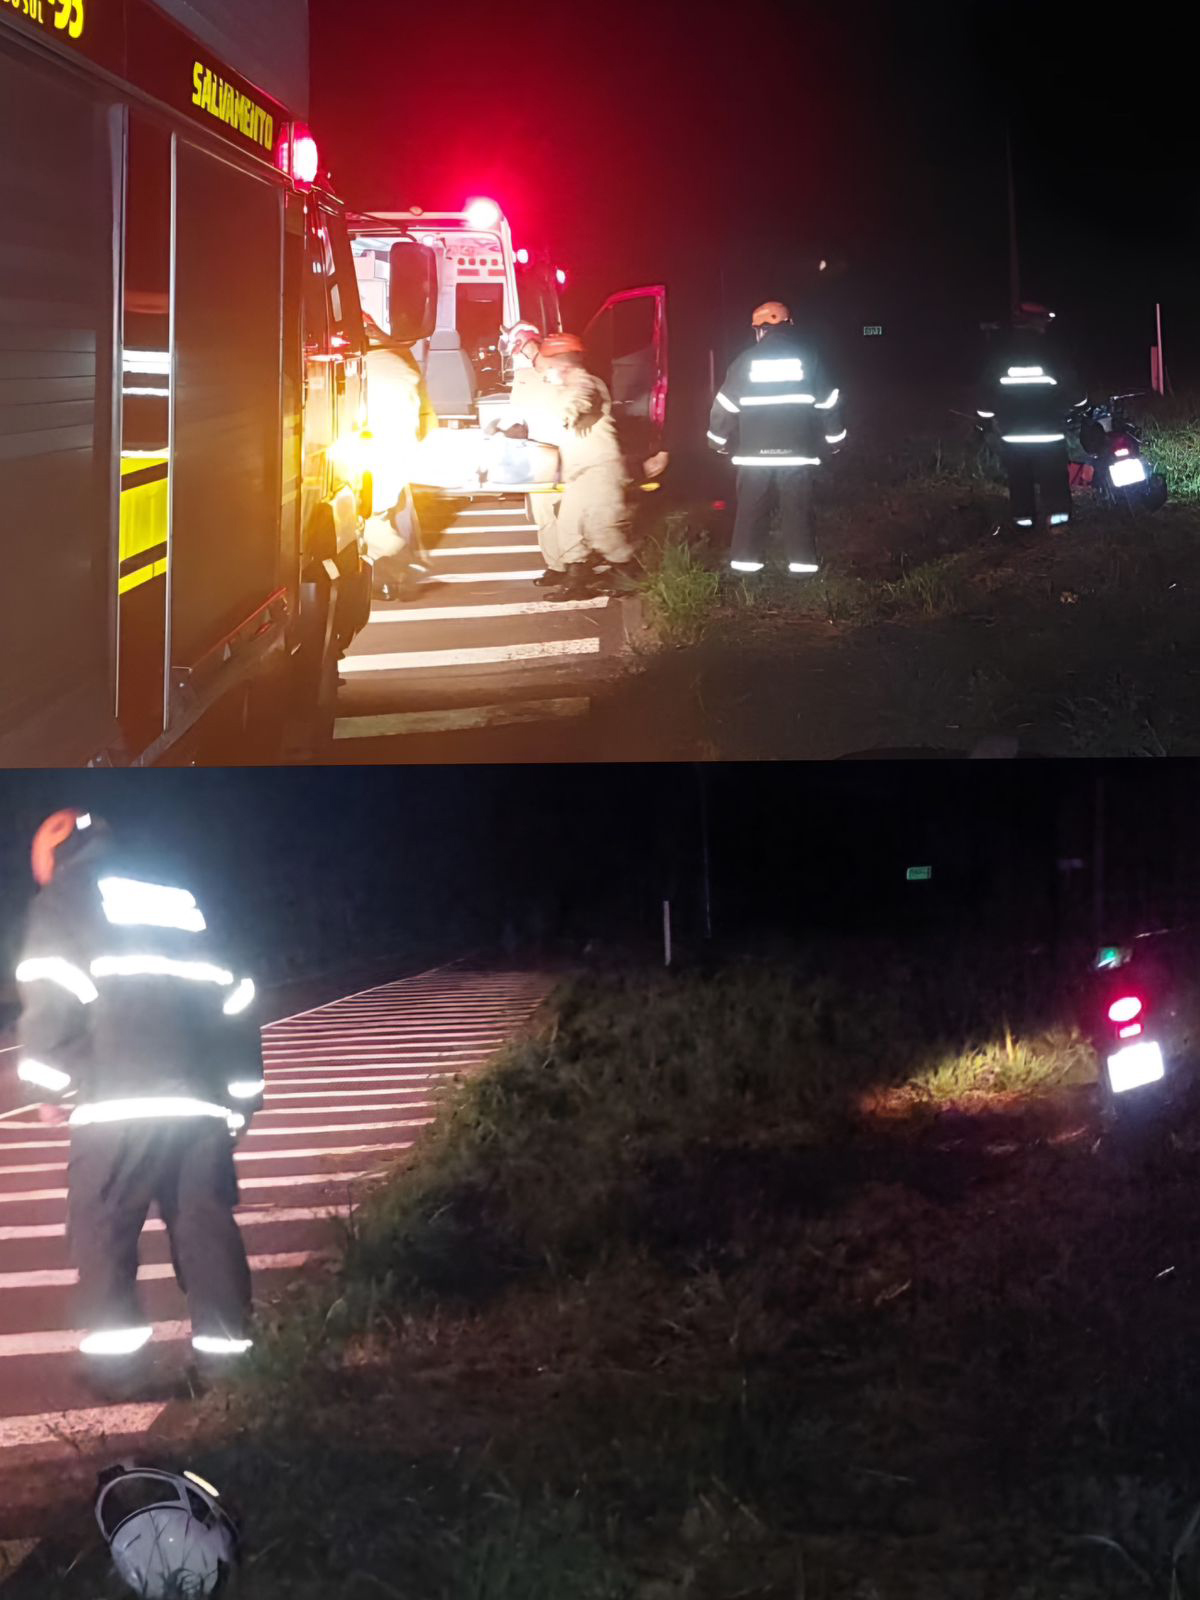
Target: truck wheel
point(312, 682)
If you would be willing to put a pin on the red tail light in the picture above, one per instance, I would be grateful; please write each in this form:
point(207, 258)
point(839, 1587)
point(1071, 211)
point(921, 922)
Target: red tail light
point(1125, 1009)
point(1123, 445)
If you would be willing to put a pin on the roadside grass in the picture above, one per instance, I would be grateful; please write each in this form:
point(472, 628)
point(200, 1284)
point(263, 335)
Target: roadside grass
point(1172, 440)
point(681, 591)
point(659, 1314)
point(905, 527)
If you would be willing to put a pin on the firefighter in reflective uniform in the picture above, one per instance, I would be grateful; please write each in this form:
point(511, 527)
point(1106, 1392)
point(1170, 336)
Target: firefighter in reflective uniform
point(786, 414)
point(594, 520)
point(136, 1031)
point(1025, 397)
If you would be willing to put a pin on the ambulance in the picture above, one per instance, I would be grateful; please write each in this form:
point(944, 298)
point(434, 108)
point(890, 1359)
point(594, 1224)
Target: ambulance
point(182, 388)
point(446, 285)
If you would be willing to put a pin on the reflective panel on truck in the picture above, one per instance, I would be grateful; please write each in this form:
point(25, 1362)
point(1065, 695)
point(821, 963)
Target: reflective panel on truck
point(225, 491)
point(57, 494)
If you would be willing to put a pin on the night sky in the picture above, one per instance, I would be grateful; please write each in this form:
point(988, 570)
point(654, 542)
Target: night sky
point(728, 149)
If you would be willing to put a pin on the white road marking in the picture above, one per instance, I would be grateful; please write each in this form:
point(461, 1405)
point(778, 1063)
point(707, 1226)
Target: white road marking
point(336, 1094)
point(19, 1111)
point(373, 1074)
point(253, 1218)
point(487, 577)
point(67, 1277)
point(478, 656)
point(289, 1180)
point(62, 1341)
point(387, 724)
point(338, 1127)
point(375, 988)
point(498, 527)
point(88, 1422)
point(516, 608)
point(464, 551)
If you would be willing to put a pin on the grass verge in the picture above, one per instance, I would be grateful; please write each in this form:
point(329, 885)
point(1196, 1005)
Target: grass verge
point(661, 1312)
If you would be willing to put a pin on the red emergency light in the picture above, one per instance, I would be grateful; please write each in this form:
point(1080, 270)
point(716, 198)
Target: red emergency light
point(522, 257)
point(560, 277)
point(297, 155)
point(483, 213)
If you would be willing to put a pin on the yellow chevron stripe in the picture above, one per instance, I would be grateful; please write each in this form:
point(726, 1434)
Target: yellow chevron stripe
point(143, 521)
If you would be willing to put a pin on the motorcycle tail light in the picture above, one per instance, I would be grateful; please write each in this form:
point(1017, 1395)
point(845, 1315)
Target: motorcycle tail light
point(1122, 450)
point(1129, 1031)
point(1125, 1009)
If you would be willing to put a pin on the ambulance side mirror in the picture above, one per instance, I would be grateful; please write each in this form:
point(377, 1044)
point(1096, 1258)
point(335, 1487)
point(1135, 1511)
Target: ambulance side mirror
point(412, 291)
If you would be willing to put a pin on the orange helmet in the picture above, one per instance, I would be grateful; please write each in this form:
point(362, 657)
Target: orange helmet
point(562, 344)
point(55, 831)
point(770, 314)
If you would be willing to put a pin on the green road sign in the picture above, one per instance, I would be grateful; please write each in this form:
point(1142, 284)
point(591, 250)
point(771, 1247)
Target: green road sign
point(919, 874)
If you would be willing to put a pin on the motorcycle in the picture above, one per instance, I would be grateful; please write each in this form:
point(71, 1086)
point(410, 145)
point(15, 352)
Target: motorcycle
point(1141, 1040)
point(1115, 466)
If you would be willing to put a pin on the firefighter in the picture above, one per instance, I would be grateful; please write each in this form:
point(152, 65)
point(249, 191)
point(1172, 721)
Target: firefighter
point(136, 1031)
point(401, 415)
point(786, 413)
point(1026, 396)
point(593, 515)
point(531, 415)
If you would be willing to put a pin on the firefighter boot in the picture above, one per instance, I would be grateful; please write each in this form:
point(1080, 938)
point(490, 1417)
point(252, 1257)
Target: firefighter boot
point(578, 584)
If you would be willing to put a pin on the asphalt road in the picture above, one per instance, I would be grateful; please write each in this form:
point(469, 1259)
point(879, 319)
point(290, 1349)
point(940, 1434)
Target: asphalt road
point(350, 1086)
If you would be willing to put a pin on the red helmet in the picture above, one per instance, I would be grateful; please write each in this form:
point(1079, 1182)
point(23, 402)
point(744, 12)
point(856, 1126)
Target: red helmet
point(55, 831)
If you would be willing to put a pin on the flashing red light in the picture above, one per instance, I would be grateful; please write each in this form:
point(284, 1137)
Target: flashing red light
point(719, 505)
point(483, 213)
point(298, 156)
point(523, 257)
point(560, 277)
point(1129, 1030)
point(1125, 1009)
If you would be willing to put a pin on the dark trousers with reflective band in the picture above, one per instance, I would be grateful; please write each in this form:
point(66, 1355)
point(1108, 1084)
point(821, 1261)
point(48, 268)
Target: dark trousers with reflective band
point(184, 1165)
point(760, 491)
point(1037, 471)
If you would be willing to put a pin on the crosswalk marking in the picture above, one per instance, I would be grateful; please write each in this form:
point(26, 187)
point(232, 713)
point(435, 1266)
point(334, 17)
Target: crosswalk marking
point(474, 656)
point(67, 1428)
point(350, 1085)
point(515, 608)
point(464, 551)
point(63, 1277)
point(248, 1217)
point(525, 575)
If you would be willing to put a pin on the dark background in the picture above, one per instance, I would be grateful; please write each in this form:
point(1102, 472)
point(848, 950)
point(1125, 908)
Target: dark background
point(727, 149)
point(311, 870)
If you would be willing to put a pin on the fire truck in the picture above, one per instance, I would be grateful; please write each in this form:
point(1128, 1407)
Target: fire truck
point(446, 284)
point(182, 387)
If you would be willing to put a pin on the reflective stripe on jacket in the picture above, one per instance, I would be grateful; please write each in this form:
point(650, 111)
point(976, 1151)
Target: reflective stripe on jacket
point(776, 404)
point(128, 1006)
